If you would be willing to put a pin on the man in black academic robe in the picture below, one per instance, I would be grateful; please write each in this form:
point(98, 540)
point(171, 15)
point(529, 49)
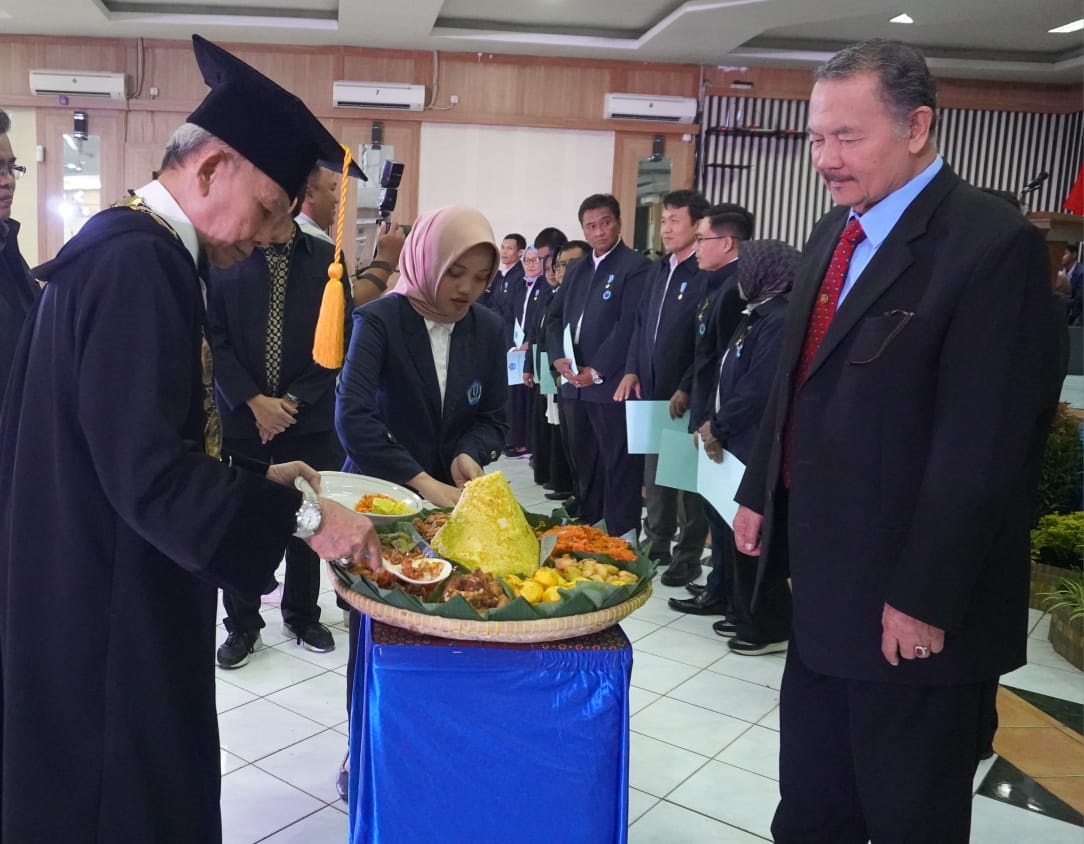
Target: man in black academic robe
point(116, 525)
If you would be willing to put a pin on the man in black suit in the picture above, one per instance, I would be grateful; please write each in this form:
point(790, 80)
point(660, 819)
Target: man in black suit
point(718, 242)
point(496, 296)
point(896, 466)
point(18, 290)
point(597, 303)
point(660, 368)
point(276, 404)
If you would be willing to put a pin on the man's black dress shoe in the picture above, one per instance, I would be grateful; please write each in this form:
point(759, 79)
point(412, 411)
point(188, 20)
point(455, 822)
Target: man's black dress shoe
point(725, 628)
point(558, 496)
point(703, 604)
point(681, 572)
point(695, 588)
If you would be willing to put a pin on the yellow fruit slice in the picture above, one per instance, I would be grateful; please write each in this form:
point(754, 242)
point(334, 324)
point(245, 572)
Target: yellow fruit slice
point(546, 576)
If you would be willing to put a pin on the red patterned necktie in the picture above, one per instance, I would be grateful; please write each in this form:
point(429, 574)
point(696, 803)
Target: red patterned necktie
point(823, 311)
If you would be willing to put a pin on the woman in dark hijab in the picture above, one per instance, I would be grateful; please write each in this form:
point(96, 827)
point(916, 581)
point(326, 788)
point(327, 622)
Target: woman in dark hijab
point(765, 276)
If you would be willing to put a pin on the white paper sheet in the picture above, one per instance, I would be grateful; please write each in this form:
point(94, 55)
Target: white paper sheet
point(569, 349)
point(516, 359)
point(718, 482)
point(646, 420)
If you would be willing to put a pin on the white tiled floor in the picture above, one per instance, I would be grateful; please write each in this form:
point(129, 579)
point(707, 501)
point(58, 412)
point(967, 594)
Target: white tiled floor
point(704, 739)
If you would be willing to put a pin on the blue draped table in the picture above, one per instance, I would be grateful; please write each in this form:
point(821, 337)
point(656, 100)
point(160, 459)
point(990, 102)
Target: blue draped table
point(470, 741)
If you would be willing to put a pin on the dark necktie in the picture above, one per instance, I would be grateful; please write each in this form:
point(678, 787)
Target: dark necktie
point(823, 310)
point(277, 256)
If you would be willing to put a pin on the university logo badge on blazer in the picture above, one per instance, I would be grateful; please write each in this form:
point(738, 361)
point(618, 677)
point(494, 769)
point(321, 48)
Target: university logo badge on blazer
point(474, 392)
point(702, 315)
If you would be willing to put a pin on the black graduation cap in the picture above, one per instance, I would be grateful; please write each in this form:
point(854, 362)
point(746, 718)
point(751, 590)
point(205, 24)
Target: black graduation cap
point(263, 121)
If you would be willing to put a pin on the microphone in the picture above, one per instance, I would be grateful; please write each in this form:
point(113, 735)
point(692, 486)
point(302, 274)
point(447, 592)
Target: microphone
point(1035, 183)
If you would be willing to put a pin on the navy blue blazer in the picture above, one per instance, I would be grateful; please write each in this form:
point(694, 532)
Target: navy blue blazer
point(503, 299)
point(716, 318)
point(663, 361)
point(237, 305)
point(745, 377)
point(607, 300)
point(519, 300)
point(388, 413)
point(534, 326)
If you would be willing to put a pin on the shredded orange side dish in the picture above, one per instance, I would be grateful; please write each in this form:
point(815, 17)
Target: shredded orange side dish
point(365, 505)
point(591, 541)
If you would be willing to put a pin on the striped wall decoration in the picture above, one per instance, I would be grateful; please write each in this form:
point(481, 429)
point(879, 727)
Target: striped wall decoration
point(767, 169)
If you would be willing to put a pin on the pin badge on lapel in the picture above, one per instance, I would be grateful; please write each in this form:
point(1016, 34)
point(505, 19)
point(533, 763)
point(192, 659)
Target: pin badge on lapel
point(703, 329)
point(474, 393)
point(607, 293)
point(681, 292)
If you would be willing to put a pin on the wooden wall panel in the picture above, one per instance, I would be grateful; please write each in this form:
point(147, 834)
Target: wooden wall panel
point(790, 84)
point(84, 54)
point(493, 89)
point(16, 60)
point(387, 66)
point(671, 80)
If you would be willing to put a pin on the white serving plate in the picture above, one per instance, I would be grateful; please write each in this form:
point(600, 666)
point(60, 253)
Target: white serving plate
point(347, 489)
point(397, 570)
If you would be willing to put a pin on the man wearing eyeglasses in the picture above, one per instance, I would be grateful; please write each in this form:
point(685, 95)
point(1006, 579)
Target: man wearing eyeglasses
point(660, 368)
point(17, 288)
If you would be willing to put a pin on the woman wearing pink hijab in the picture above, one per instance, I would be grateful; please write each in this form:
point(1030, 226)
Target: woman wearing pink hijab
point(422, 394)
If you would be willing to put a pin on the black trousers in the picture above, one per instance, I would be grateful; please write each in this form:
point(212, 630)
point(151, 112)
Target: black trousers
point(354, 633)
point(550, 463)
point(302, 583)
point(610, 478)
point(765, 615)
point(673, 513)
point(881, 762)
point(566, 413)
point(722, 556)
point(520, 402)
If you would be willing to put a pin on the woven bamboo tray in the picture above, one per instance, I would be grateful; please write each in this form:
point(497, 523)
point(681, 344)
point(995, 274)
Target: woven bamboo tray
point(536, 630)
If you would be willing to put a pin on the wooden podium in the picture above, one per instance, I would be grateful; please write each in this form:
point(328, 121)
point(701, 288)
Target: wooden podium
point(1060, 230)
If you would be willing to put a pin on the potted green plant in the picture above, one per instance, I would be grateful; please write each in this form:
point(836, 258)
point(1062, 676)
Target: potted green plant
point(1062, 471)
point(1057, 546)
point(1066, 607)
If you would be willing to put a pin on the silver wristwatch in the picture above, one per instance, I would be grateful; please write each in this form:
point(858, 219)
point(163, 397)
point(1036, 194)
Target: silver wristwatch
point(309, 515)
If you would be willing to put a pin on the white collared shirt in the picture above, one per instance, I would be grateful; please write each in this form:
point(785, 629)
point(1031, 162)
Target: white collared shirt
point(440, 342)
point(529, 283)
point(308, 225)
point(675, 261)
point(598, 259)
point(163, 204)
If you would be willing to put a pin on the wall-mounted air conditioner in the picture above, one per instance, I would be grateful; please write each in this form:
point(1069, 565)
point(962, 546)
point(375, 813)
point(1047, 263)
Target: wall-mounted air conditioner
point(77, 83)
point(397, 95)
point(650, 107)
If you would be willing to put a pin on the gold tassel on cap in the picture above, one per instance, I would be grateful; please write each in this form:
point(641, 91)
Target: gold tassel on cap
point(327, 345)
